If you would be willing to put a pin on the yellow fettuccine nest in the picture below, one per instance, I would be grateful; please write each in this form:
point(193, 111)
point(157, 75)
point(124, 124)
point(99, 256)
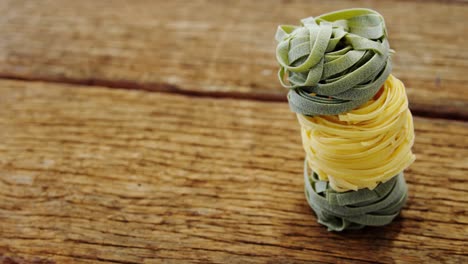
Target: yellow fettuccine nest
point(366, 146)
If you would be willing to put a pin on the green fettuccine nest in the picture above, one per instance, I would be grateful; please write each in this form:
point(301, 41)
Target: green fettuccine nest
point(335, 62)
point(355, 209)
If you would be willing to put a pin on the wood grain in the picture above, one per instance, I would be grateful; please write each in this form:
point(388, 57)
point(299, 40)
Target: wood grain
point(224, 48)
point(117, 176)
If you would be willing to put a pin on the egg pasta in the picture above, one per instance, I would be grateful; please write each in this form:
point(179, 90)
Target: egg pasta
point(356, 128)
point(365, 146)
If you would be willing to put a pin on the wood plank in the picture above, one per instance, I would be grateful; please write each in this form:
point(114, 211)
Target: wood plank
point(220, 47)
point(91, 175)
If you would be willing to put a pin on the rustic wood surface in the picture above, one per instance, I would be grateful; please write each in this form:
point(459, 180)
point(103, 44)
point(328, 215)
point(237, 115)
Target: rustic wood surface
point(201, 160)
point(223, 47)
point(91, 175)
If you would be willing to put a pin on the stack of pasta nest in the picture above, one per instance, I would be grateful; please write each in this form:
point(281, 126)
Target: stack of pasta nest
point(357, 130)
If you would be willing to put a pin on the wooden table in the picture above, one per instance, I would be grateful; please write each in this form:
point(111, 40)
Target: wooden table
point(157, 132)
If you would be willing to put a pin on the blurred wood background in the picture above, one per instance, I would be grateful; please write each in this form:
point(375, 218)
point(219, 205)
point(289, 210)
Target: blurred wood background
point(157, 132)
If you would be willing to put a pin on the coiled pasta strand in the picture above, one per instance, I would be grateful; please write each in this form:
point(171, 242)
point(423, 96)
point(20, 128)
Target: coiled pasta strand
point(354, 209)
point(356, 128)
point(365, 146)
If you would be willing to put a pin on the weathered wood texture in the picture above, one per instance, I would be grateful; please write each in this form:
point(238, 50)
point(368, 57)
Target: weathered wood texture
point(101, 175)
point(220, 47)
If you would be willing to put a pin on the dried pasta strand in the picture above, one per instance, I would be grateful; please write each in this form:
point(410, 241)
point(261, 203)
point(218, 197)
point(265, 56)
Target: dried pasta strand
point(365, 146)
point(354, 209)
point(335, 62)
